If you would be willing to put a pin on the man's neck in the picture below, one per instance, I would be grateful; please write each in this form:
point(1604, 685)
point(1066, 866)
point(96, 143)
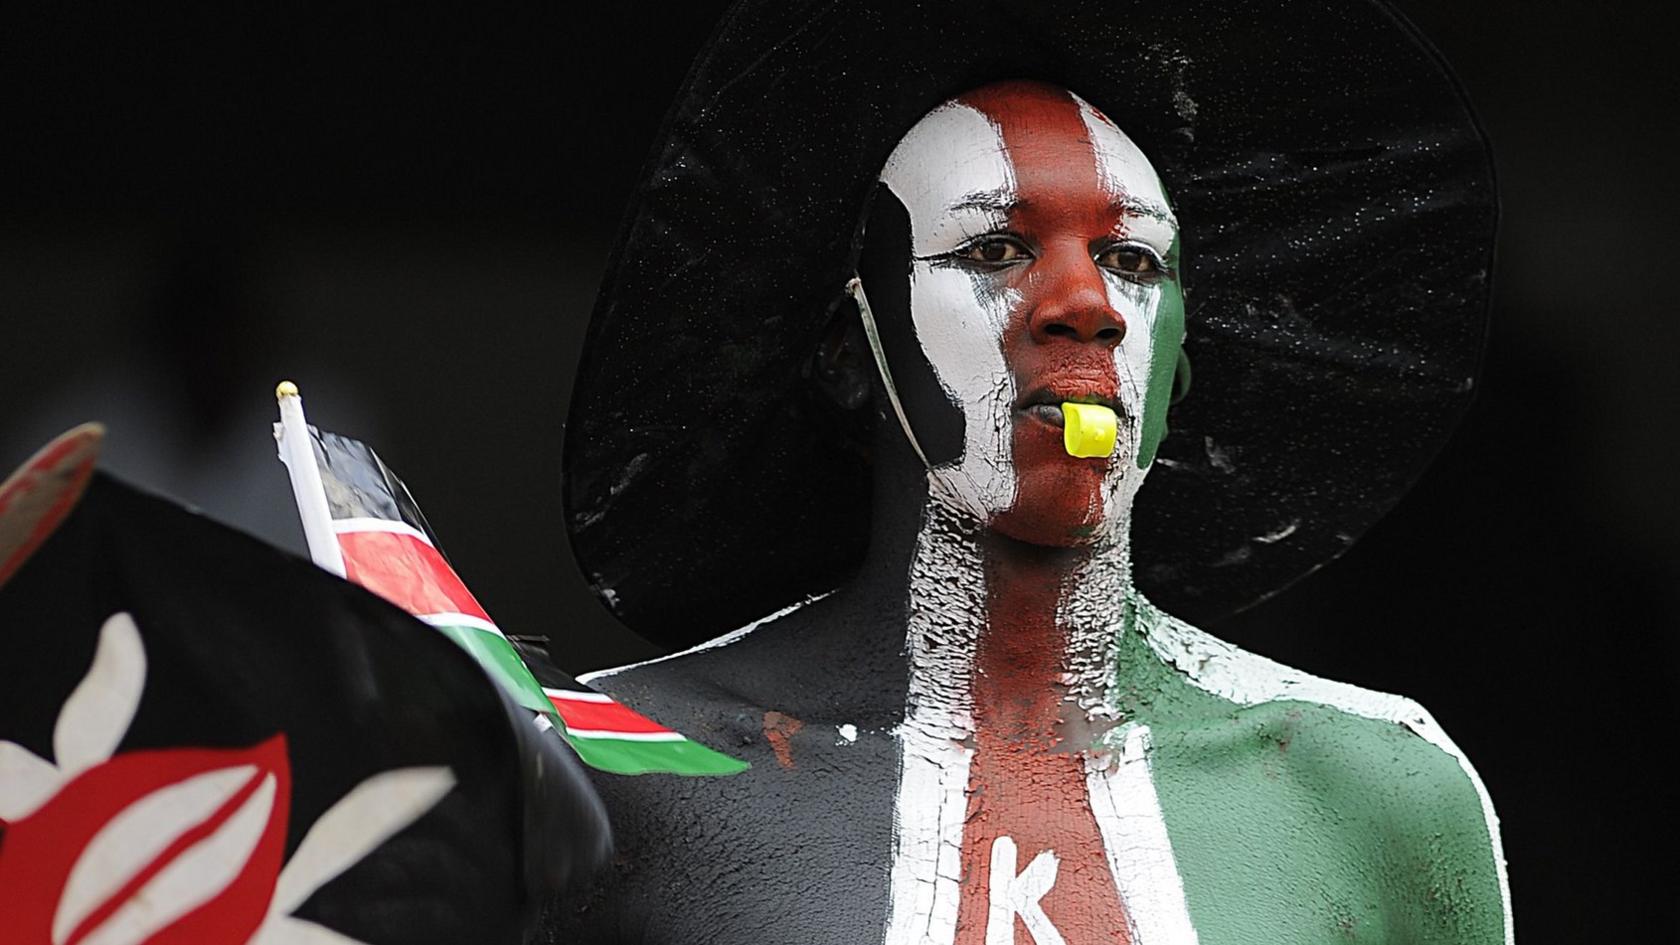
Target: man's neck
point(957, 600)
point(1015, 637)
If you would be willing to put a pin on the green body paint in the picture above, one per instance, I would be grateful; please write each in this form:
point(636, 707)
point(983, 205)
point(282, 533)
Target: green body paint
point(1297, 822)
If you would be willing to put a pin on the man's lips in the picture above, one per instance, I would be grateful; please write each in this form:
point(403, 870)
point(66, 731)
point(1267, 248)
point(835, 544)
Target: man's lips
point(1044, 402)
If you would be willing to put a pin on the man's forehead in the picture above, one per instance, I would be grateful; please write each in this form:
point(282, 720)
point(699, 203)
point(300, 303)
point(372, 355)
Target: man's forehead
point(968, 156)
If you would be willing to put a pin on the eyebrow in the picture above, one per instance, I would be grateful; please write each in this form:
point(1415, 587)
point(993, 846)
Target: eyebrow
point(1131, 206)
point(993, 201)
point(1001, 201)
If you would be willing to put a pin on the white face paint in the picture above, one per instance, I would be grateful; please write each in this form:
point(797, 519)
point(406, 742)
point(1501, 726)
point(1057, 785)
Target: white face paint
point(1048, 175)
point(951, 160)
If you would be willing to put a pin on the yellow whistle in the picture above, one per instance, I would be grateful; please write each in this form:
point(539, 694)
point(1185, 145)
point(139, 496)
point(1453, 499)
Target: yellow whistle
point(1088, 430)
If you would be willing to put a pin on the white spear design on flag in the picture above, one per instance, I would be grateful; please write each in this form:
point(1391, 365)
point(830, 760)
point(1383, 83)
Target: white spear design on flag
point(176, 848)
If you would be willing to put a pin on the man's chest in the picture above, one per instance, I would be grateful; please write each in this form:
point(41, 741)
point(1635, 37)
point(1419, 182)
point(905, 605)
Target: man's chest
point(902, 838)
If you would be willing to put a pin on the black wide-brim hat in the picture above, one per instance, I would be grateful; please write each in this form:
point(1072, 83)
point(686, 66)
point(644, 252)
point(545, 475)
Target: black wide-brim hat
point(1337, 209)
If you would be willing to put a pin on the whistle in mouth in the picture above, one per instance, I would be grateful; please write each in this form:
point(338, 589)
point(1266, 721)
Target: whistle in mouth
point(1088, 430)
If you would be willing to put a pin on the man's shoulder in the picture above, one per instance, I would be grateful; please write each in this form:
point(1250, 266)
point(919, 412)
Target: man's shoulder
point(698, 681)
point(1373, 736)
point(1250, 681)
point(1370, 756)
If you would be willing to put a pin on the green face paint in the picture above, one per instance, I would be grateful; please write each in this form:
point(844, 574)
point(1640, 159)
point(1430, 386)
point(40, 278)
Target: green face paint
point(1163, 360)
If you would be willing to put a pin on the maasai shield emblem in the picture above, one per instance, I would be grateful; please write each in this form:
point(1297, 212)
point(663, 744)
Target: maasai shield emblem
point(203, 739)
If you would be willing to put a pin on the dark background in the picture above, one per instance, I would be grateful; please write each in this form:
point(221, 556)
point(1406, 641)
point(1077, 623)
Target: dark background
point(407, 212)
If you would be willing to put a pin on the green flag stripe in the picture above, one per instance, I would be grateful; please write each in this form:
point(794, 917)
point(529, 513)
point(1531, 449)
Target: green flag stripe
point(619, 756)
point(613, 755)
point(502, 662)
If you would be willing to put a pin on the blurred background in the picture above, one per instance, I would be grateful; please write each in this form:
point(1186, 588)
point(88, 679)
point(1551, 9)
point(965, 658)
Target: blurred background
point(407, 212)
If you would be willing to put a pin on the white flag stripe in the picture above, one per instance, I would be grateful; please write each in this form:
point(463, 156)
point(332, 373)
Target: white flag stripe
point(343, 526)
point(593, 733)
point(572, 695)
point(462, 620)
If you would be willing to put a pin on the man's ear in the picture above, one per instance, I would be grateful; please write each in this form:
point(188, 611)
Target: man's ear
point(842, 365)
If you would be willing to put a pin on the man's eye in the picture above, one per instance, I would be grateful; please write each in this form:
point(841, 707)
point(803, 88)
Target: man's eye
point(1131, 260)
point(993, 250)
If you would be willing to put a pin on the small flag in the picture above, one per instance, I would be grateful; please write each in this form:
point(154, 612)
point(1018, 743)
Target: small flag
point(376, 536)
point(611, 737)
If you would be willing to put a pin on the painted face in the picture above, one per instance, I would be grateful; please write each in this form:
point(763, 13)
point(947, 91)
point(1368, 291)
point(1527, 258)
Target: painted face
point(1043, 269)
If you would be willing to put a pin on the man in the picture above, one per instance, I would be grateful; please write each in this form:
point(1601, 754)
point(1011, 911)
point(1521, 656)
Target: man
point(986, 733)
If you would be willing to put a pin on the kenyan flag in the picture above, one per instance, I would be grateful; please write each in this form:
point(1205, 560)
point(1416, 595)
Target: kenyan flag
point(362, 523)
point(611, 737)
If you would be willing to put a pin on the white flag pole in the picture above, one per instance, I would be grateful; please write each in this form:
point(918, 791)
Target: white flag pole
point(298, 453)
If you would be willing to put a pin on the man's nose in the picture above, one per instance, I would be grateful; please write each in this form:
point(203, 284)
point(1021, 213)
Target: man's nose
point(1073, 303)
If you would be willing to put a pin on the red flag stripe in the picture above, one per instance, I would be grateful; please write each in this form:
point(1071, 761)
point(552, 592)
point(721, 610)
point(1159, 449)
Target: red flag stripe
point(407, 572)
point(600, 717)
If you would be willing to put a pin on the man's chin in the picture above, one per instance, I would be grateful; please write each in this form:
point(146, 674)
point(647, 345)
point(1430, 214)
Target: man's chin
point(1048, 533)
point(1058, 508)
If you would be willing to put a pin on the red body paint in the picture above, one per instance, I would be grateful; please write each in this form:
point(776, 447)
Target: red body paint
point(1025, 781)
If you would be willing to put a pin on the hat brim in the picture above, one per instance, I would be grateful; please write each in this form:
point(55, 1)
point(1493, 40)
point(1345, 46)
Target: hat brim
point(1337, 206)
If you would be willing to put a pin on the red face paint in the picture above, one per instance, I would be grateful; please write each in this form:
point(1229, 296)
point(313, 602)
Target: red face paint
point(1026, 782)
point(1061, 336)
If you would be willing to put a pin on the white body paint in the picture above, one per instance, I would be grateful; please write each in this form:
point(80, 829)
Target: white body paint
point(1015, 895)
point(1135, 838)
point(1118, 777)
point(733, 636)
point(958, 324)
point(947, 609)
point(1125, 171)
